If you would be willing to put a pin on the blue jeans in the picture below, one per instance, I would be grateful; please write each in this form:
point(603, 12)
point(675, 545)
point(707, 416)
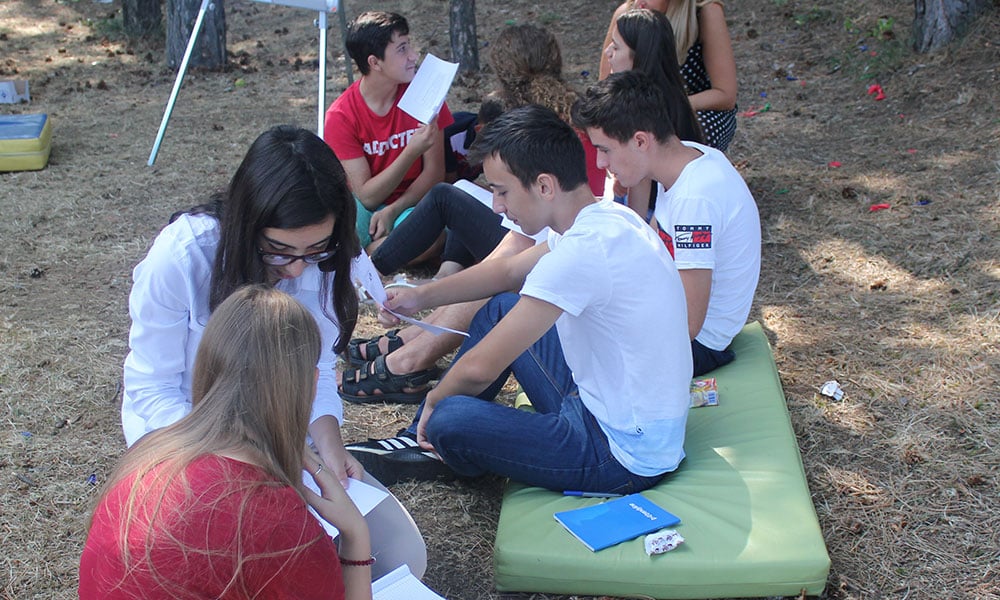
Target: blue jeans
point(560, 446)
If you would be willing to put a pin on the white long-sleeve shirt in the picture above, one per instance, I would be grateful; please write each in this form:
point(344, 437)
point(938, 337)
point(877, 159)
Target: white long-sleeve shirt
point(169, 307)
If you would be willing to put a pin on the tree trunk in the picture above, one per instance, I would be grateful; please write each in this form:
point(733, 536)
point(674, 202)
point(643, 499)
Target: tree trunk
point(464, 41)
point(937, 22)
point(141, 17)
point(210, 51)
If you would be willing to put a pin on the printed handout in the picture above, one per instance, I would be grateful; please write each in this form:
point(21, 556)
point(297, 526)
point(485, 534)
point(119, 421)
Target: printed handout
point(400, 584)
point(423, 99)
point(364, 272)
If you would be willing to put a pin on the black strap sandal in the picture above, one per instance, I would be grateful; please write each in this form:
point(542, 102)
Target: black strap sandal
point(373, 382)
point(372, 351)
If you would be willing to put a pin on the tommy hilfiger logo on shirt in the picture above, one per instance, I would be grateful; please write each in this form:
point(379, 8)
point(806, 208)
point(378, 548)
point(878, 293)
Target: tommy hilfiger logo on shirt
point(692, 236)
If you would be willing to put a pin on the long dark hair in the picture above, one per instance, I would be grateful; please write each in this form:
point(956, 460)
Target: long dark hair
point(288, 179)
point(651, 38)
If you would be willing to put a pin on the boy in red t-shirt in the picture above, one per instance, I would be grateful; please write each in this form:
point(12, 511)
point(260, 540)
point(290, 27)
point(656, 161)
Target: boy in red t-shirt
point(391, 159)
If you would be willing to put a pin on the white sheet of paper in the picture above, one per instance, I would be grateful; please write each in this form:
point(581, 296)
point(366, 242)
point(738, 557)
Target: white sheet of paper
point(364, 272)
point(365, 497)
point(423, 99)
point(435, 329)
point(400, 584)
point(486, 197)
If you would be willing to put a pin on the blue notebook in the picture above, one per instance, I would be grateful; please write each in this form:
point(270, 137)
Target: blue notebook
point(615, 521)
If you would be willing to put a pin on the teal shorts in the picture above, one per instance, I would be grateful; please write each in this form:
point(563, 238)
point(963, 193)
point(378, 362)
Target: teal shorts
point(365, 219)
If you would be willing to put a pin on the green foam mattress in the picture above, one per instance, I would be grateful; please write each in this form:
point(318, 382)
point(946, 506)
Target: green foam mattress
point(747, 517)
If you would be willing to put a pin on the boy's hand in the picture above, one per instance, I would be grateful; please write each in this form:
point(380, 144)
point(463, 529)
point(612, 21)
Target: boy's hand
point(425, 136)
point(382, 222)
point(425, 415)
point(405, 301)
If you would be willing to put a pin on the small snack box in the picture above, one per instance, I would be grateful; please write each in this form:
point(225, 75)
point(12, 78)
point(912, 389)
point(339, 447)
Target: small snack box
point(25, 142)
point(704, 392)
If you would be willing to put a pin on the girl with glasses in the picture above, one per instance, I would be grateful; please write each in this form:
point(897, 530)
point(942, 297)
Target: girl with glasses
point(286, 220)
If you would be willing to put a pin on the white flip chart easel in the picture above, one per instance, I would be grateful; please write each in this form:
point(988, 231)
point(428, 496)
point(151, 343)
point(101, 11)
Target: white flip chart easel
point(322, 7)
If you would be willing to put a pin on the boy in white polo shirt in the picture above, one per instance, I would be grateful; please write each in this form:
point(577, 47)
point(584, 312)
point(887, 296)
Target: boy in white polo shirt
point(599, 305)
point(704, 210)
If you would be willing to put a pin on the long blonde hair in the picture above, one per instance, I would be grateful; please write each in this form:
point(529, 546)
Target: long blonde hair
point(252, 392)
point(683, 16)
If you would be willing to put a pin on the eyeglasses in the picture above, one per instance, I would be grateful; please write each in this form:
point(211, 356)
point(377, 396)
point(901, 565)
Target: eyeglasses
point(282, 260)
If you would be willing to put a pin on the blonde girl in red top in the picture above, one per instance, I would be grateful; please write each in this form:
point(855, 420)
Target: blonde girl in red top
point(214, 505)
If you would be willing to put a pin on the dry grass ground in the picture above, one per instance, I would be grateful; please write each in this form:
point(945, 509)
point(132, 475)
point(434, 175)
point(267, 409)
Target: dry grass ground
point(900, 305)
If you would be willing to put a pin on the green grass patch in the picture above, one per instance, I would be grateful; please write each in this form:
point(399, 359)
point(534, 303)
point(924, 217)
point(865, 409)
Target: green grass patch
point(876, 52)
point(548, 18)
point(813, 15)
point(112, 28)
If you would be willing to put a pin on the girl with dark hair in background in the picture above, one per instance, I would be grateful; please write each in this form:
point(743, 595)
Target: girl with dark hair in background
point(643, 40)
point(708, 67)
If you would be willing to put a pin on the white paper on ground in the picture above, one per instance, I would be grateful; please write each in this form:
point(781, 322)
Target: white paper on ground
point(426, 94)
point(364, 272)
point(400, 584)
point(365, 497)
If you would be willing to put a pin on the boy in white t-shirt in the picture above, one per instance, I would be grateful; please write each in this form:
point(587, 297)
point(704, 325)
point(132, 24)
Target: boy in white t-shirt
point(600, 304)
point(704, 211)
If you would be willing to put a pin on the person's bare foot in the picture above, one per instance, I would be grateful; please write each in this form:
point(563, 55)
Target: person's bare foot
point(447, 268)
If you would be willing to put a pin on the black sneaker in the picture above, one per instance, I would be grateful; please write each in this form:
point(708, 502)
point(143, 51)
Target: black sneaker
point(399, 458)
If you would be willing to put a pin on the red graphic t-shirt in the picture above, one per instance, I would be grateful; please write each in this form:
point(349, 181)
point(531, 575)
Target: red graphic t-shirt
point(353, 130)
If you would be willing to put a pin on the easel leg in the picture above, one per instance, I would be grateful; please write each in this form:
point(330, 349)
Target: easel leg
point(205, 4)
point(321, 101)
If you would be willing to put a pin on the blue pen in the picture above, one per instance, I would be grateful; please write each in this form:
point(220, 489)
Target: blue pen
point(590, 494)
